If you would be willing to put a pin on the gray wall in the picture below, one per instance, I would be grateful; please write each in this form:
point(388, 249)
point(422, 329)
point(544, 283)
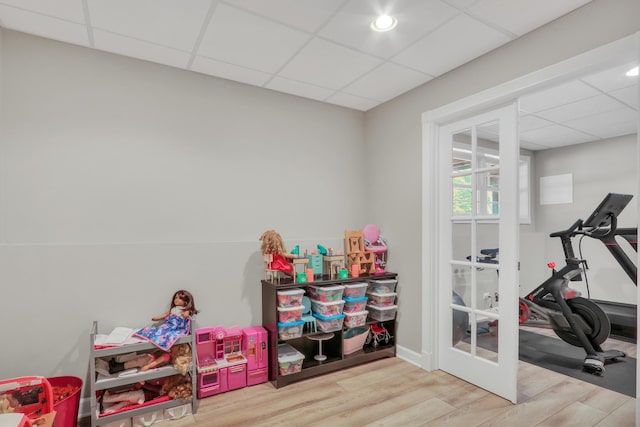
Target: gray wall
point(122, 181)
point(597, 168)
point(394, 130)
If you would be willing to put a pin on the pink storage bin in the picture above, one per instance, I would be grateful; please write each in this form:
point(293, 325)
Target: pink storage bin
point(327, 309)
point(355, 290)
point(290, 314)
point(325, 293)
point(290, 297)
point(351, 320)
point(381, 300)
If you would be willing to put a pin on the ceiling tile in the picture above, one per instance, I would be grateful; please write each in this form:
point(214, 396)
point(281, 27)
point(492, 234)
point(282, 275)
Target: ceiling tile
point(556, 136)
point(350, 101)
point(164, 22)
point(306, 15)
point(463, 3)
point(139, 49)
point(70, 10)
point(299, 88)
point(242, 38)
point(596, 124)
point(352, 25)
point(328, 65)
point(229, 71)
point(450, 46)
point(44, 26)
point(611, 130)
point(582, 108)
point(628, 95)
point(557, 95)
point(386, 82)
point(521, 16)
point(530, 122)
point(612, 79)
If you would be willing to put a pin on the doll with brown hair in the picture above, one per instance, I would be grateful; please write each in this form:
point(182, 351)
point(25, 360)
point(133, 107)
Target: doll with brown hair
point(176, 322)
point(273, 245)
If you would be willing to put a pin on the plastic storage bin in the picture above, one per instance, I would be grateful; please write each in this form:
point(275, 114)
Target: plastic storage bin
point(290, 314)
point(325, 293)
point(382, 286)
point(290, 298)
point(287, 331)
point(329, 324)
point(354, 339)
point(327, 309)
point(382, 314)
point(289, 359)
point(352, 305)
point(68, 391)
point(359, 318)
point(355, 290)
point(381, 300)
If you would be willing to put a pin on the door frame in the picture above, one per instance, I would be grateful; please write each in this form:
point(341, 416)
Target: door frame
point(580, 65)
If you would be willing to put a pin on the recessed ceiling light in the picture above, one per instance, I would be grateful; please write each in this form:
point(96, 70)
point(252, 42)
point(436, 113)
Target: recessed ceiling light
point(384, 23)
point(633, 72)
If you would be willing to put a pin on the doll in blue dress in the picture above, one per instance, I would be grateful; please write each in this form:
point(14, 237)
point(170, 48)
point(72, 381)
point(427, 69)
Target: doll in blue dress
point(177, 322)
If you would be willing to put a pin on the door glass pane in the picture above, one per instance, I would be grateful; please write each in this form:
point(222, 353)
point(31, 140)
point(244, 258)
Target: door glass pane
point(460, 325)
point(487, 338)
point(461, 241)
point(461, 282)
point(461, 176)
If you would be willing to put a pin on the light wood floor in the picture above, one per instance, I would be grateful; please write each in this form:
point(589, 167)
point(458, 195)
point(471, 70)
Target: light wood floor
point(392, 392)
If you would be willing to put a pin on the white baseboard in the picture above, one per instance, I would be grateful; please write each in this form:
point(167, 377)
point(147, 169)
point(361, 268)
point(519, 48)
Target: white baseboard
point(409, 356)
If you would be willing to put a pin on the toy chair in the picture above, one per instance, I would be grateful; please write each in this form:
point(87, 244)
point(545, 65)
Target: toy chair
point(375, 243)
point(270, 274)
point(357, 254)
point(309, 321)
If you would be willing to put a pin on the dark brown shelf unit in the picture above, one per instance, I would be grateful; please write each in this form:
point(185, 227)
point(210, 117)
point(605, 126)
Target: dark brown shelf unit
point(333, 348)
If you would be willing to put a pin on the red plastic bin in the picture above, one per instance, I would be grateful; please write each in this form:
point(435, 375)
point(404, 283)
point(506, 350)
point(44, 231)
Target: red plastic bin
point(67, 407)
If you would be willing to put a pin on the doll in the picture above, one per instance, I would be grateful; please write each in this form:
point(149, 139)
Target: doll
point(273, 245)
point(179, 356)
point(177, 322)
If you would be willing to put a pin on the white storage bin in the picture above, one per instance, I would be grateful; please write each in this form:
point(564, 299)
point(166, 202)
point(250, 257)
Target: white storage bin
point(177, 412)
point(145, 420)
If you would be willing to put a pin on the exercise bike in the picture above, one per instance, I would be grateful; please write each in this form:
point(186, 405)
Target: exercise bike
point(576, 320)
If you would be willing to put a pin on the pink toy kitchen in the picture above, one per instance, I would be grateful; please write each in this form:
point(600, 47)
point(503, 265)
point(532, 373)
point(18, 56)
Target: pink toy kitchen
point(229, 358)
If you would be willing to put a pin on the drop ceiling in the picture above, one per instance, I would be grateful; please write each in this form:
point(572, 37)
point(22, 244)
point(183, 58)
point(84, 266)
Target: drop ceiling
point(325, 49)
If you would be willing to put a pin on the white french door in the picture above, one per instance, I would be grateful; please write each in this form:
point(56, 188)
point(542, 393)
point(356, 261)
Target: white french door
point(478, 212)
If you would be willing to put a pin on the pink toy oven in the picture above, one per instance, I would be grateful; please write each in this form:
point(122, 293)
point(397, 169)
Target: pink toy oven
point(255, 349)
point(221, 365)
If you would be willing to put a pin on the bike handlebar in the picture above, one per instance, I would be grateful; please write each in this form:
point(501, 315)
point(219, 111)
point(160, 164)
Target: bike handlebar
point(571, 230)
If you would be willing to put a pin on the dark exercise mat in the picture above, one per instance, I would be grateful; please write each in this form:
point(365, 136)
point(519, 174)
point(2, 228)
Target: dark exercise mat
point(558, 356)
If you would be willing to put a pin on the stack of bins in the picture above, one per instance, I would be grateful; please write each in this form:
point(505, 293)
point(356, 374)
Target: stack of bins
point(382, 298)
point(355, 304)
point(290, 310)
point(326, 306)
point(355, 317)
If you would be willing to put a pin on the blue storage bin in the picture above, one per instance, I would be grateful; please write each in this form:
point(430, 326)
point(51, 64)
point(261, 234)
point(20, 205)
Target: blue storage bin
point(287, 331)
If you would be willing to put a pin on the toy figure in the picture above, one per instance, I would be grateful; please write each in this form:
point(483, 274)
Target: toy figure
point(177, 322)
point(273, 245)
